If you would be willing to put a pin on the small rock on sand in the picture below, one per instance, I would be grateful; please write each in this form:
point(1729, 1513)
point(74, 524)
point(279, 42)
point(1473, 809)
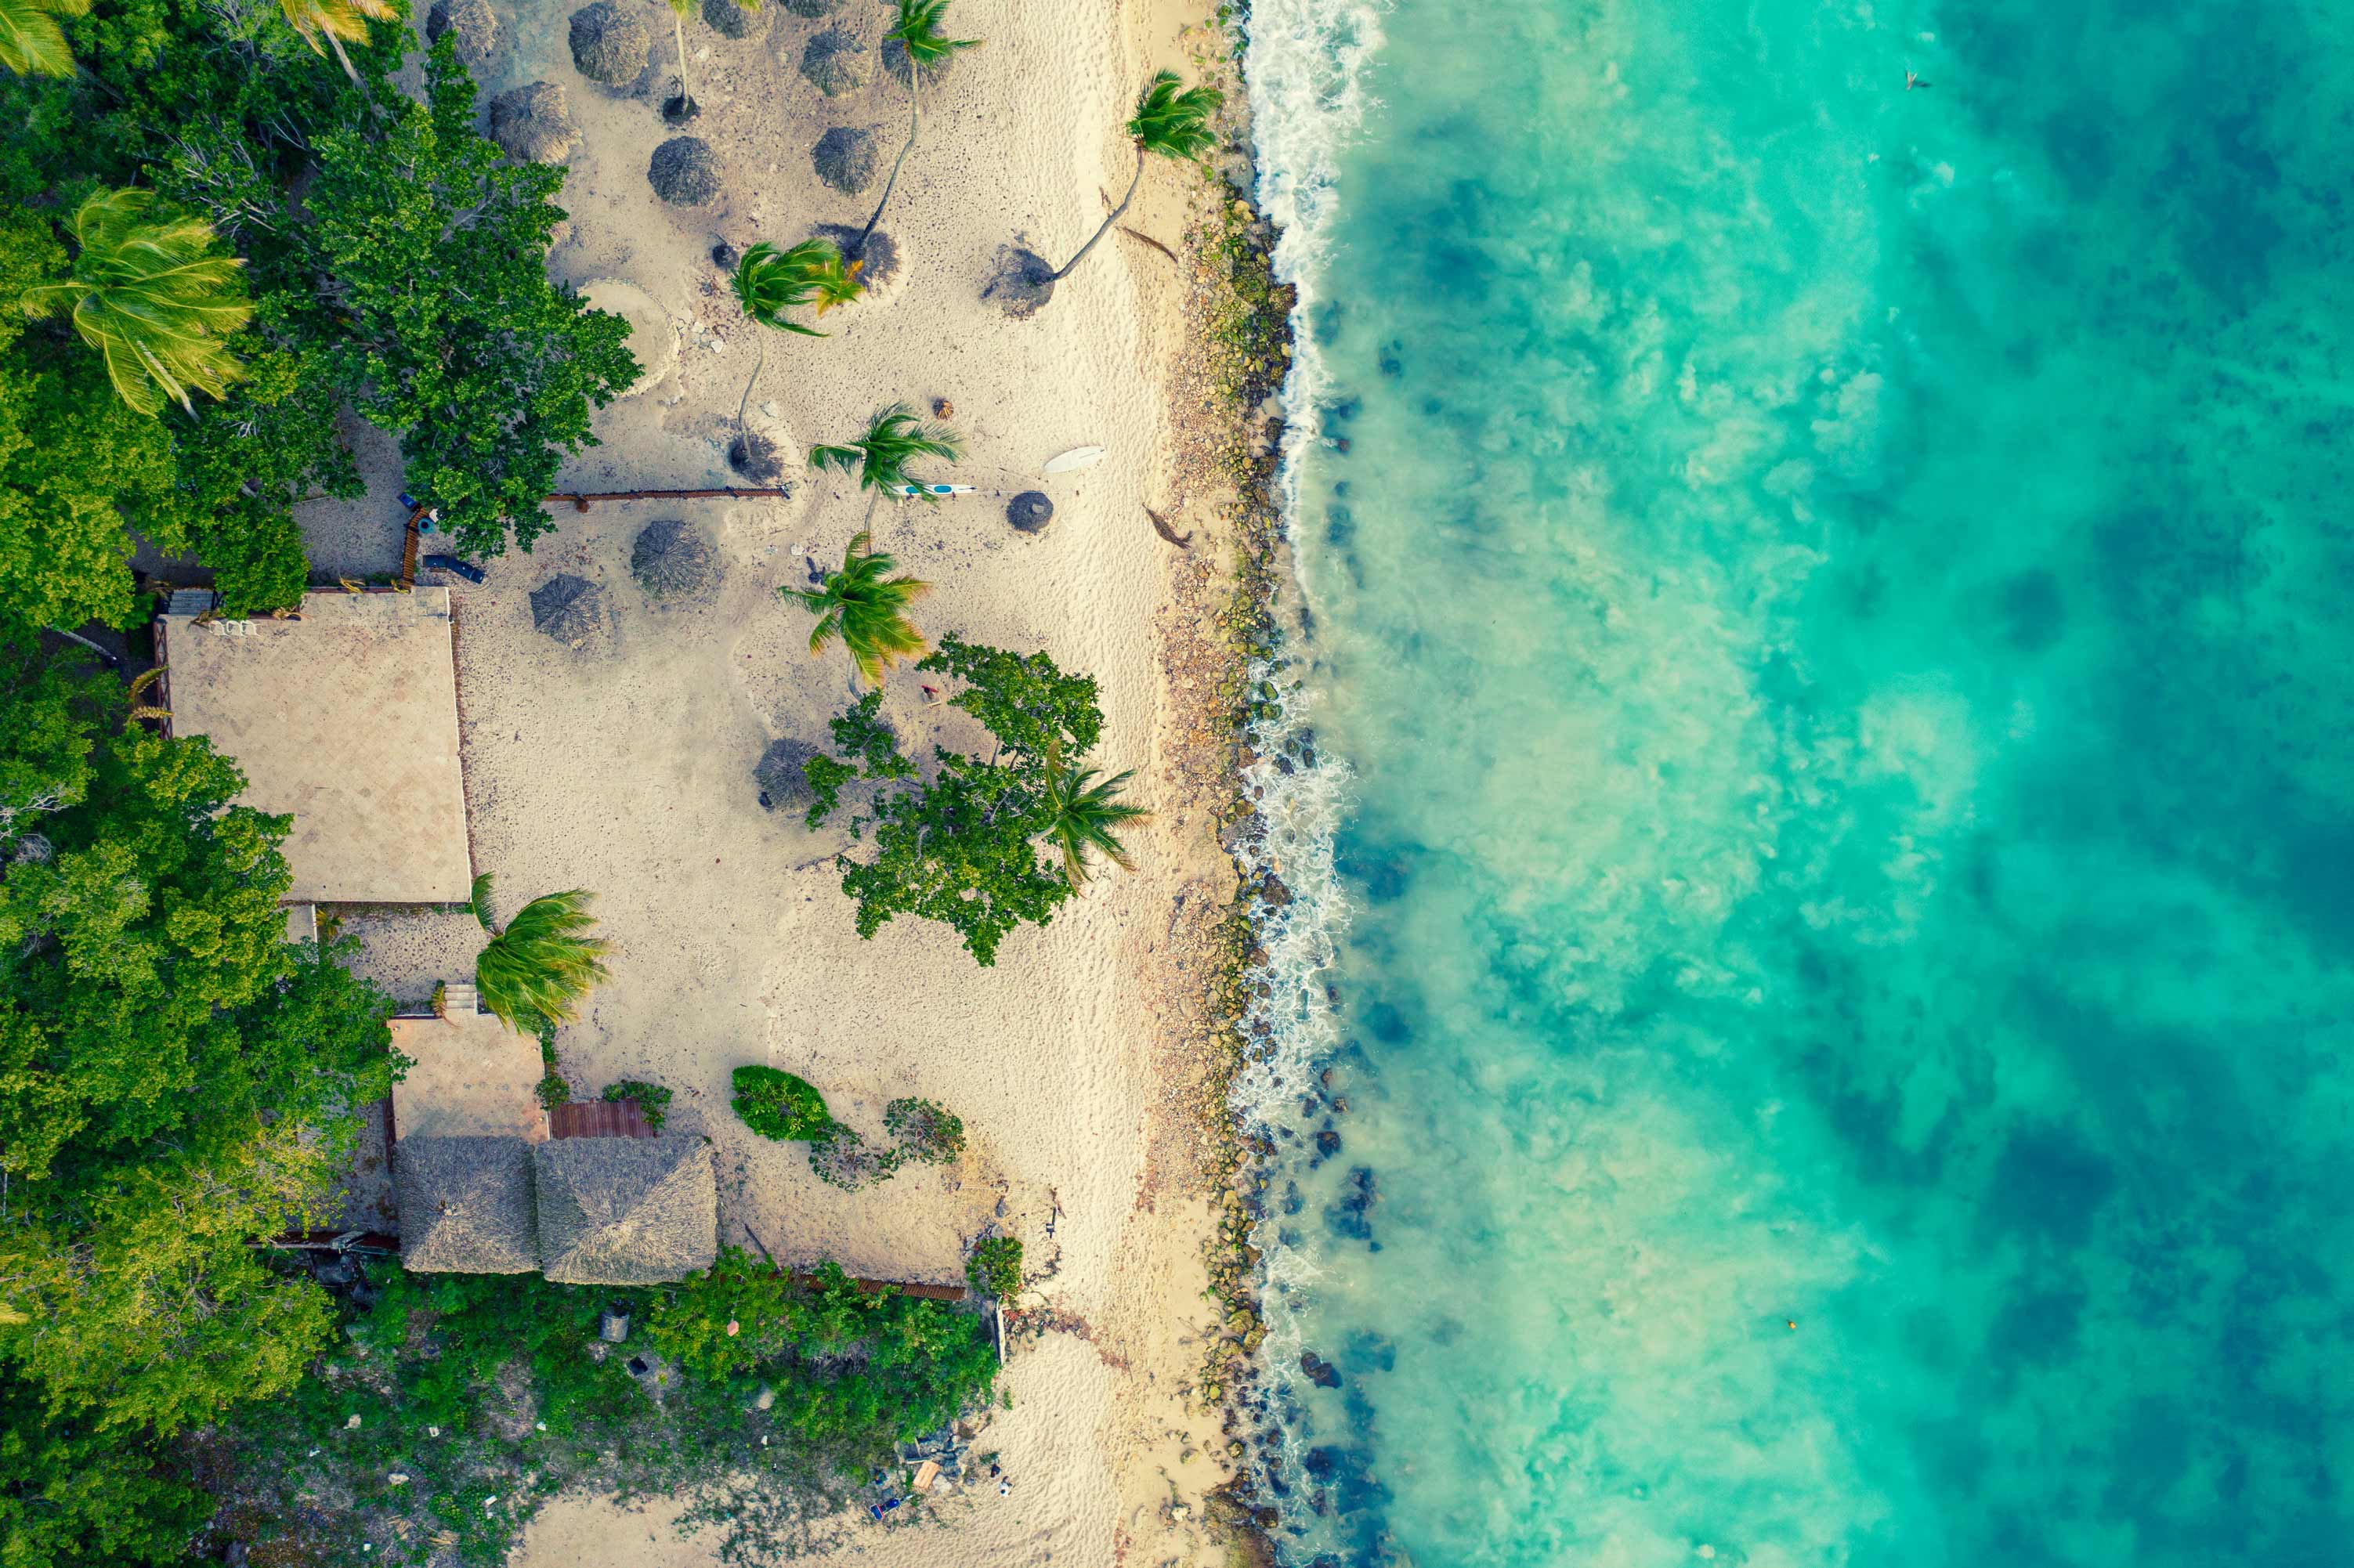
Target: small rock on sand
point(835, 63)
point(609, 45)
point(845, 159)
point(730, 20)
point(476, 26)
point(684, 172)
point(534, 124)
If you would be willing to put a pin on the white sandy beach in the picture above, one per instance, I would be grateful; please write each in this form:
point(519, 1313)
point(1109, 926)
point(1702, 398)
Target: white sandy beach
point(627, 768)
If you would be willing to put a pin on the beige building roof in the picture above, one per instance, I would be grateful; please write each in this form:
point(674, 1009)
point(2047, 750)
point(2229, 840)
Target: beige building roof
point(469, 1076)
point(348, 720)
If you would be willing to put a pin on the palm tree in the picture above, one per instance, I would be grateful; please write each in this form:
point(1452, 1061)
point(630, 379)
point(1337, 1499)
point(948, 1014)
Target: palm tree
point(336, 20)
point(32, 41)
point(916, 30)
point(679, 12)
point(148, 294)
point(866, 608)
point(544, 962)
point(1083, 812)
point(1168, 124)
point(896, 438)
point(769, 281)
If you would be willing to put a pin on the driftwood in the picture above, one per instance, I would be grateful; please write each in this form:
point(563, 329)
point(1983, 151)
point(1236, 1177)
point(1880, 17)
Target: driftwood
point(1148, 239)
point(1160, 526)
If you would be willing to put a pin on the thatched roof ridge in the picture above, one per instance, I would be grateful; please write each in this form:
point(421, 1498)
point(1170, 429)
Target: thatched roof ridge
point(465, 1204)
point(625, 1210)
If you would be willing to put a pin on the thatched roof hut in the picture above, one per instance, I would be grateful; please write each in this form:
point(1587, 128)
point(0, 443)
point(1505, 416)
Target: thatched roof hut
point(675, 559)
point(465, 1204)
point(626, 1211)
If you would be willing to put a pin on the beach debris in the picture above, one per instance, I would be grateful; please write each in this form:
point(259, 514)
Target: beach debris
point(833, 62)
point(397, 1478)
point(532, 124)
point(1074, 461)
point(730, 20)
point(571, 610)
point(1160, 526)
point(943, 410)
point(1030, 512)
point(684, 172)
point(845, 158)
point(609, 45)
point(673, 559)
point(925, 1474)
point(1148, 239)
point(476, 28)
point(758, 457)
point(612, 1325)
point(351, 1424)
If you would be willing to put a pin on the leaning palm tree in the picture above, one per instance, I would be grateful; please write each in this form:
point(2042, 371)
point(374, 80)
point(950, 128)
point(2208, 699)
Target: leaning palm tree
point(769, 281)
point(336, 21)
point(866, 607)
point(544, 962)
point(32, 40)
point(1169, 123)
point(916, 30)
point(896, 438)
point(147, 293)
point(1083, 813)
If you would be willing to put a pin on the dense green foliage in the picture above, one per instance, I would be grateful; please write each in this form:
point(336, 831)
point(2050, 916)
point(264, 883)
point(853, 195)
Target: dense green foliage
point(775, 1104)
point(994, 1266)
point(175, 1078)
point(487, 1394)
point(652, 1099)
point(963, 846)
point(544, 963)
point(409, 285)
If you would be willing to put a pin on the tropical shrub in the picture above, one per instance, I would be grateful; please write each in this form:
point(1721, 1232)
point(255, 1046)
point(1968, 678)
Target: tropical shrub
point(928, 1132)
point(775, 1104)
point(994, 1266)
point(652, 1099)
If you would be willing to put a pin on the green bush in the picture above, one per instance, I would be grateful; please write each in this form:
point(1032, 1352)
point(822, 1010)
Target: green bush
point(775, 1104)
point(928, 1132)
point(995, 1267)
point(652, 1099)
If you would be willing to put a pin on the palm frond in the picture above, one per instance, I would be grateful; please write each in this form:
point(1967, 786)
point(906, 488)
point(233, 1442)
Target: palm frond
point(479, 901)
point(1175, 123)
point(32, 41)
point(544, 963)
point(865, 607)
point(917, 29)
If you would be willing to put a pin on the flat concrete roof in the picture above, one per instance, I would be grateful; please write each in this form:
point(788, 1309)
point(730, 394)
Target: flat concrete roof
point(348, 720)
point(472, 1078)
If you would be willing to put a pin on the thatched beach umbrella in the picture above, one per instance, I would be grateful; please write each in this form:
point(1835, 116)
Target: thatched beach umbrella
point(684, 172)
point(835, 62)
point(609, 45)
point(533, 124)
point(845, 159)
point(673, 559)
point(571, 609)
point(783, 784)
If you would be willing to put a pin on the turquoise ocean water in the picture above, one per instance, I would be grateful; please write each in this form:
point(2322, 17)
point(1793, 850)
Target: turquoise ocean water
point(1831, 681)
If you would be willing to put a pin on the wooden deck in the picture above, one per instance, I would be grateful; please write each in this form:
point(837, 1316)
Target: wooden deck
point(598, 1119)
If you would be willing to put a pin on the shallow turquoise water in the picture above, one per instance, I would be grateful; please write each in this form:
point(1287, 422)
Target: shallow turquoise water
point(1834, 609)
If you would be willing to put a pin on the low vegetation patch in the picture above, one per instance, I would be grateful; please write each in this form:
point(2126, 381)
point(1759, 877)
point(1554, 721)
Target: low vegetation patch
point(994, 1267)
point(652, 1099)
point(775, 1104)
point(454, 1405)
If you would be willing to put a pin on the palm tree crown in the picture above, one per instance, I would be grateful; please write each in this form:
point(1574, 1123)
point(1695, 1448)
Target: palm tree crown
point(543, 963)
point(1173, 123)
point(896, 438)
point(866, 607)
point(32, 41)
point(148, 294)
point(768, 282)
point(1083, 814)
point(336, 21)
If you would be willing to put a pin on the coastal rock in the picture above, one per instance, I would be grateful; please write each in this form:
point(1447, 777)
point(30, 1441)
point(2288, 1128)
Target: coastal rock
point(1030, 512)
point(533, 124)
point(895, 60)
point(475, 27)
point(1320, 1372)
point(684, 172)
point(609, 45)
point(835, 63)
point(1274, 891)
point(730, 20)
point(845, 159)
point(1327, 1142)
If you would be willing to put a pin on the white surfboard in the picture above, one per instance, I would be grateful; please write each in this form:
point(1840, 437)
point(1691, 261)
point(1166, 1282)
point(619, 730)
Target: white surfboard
point(1074, 460)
